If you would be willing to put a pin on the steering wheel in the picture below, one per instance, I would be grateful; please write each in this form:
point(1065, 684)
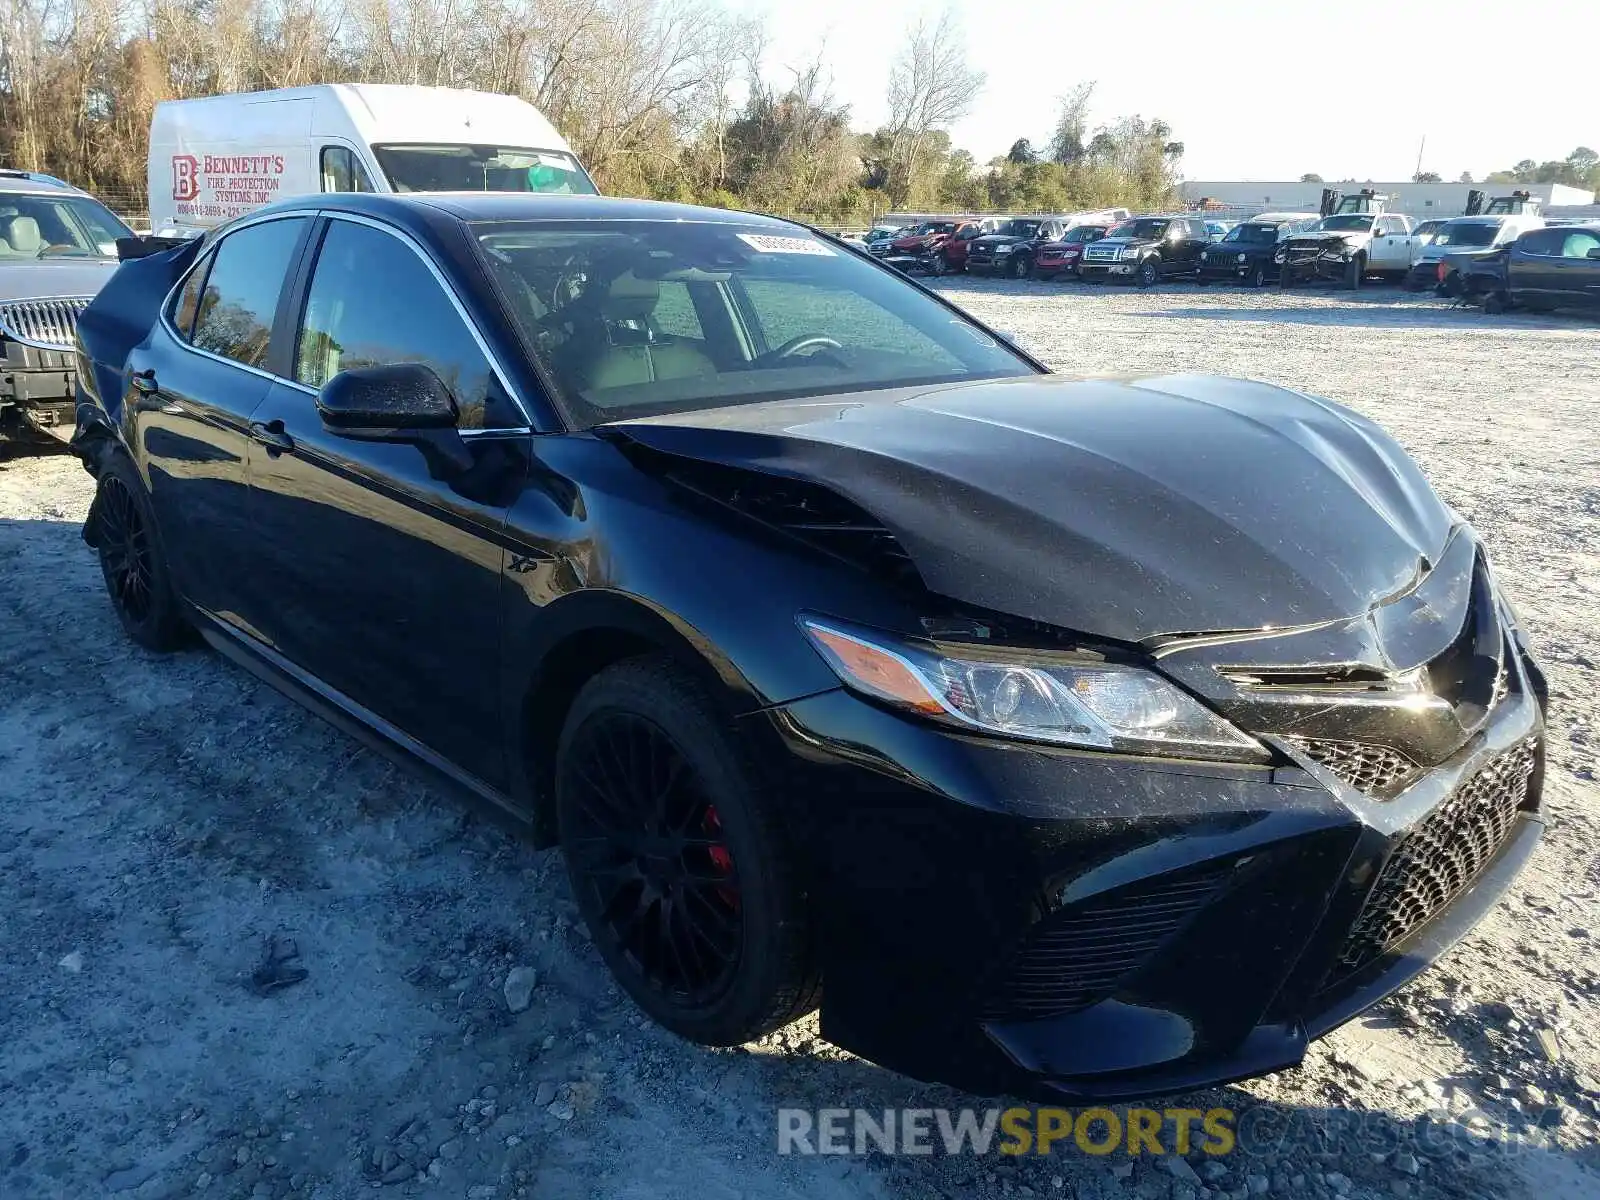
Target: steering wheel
point(804, 342)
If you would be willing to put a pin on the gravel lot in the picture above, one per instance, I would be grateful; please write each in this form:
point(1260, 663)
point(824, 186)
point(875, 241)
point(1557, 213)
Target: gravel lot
point(166, 821)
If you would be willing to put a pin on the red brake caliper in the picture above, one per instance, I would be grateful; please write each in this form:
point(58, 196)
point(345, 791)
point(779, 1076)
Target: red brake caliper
point(720, 856)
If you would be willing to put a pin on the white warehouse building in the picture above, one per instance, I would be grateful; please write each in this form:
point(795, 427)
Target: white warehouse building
point(1419, 200)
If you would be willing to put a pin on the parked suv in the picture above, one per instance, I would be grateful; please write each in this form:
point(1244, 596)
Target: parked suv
point(57, 247)
point(1010, 249)
point(1245, 252)
point(1147, 249)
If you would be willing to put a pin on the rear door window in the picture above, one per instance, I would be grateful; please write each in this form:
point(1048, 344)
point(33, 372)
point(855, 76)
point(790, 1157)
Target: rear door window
point(1543, 241)
point(236, 310)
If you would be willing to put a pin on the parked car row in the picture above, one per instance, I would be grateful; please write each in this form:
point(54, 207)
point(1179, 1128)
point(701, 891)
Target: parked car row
point(1504, 255)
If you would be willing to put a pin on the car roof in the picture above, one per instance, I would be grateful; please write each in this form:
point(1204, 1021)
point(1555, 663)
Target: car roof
point(19, 184)
point(517, 206)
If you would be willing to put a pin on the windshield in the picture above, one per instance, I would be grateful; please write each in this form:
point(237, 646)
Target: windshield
point(34, 225)
point(1144, 229)
point(1467, 233)
point(475, 168)
point(1346, 222)
point(1252, 235)
point(1085, 233)
point(640, 318)
point(1022, 229)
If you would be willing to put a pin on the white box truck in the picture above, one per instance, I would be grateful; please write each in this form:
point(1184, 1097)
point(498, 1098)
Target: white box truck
point(219, 157)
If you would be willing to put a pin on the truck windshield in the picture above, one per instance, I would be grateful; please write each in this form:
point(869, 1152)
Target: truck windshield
point(1346, 222)
point(1253, 235)
point(1085, 233)
point(33, 225)
point(1144, 230)
point(1024, 229)
point(462, 168)
point(1467, 233)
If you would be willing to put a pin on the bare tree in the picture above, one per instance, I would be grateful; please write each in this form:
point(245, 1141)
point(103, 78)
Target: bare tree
point(931, 87)
point(1067, 140)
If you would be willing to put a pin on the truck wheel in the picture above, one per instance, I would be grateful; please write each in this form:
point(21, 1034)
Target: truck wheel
point(1258, 275)
point(1354, 270)
point(1019, 266)
point(1495, 302)
point(941, 265)
point(1149, 272)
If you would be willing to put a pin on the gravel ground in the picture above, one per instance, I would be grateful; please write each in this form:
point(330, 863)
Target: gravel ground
point(171, 831)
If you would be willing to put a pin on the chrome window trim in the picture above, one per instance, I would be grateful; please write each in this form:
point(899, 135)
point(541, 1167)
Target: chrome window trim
point(450, 293)
point(210, 252)
point(206, 254)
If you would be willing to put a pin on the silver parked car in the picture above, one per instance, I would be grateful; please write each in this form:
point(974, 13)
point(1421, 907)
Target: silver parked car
point(58, 246)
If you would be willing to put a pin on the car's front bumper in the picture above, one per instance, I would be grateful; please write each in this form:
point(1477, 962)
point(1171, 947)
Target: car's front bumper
point(37, 392)
point(1075, 926)
point(1233, 269)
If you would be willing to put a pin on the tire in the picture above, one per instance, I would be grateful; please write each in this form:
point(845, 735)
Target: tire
point(133, 562)
point(700, 917)
point(1258, 276)
point(1020, 266)
point(1201, 281)
point(1495, 302)
point(1148, 273)
point(941, 265)
point(1354, 271)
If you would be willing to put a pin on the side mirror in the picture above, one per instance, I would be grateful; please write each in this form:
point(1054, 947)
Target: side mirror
point(1594, 253)
point(396, 397)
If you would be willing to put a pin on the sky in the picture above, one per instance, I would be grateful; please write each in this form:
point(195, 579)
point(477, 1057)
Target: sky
point(1254, 90)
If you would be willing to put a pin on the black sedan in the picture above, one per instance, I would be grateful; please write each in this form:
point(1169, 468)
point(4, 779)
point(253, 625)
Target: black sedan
point(1066, 738)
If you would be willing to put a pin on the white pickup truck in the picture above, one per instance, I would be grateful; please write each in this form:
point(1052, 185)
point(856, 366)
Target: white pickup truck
point(1349, 246)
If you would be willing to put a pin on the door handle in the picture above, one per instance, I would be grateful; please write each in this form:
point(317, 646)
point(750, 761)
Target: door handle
point(271, 435)
point(145, 383)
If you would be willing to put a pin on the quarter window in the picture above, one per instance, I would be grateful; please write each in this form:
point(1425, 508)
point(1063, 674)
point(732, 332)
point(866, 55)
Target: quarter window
point(189, 299)
point(240, 299)
point(352, 319)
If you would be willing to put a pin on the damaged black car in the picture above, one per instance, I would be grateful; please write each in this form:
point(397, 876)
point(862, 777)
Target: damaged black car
point(1065, 738)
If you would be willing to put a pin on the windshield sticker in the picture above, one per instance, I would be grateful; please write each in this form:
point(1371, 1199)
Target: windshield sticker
point(767, 243)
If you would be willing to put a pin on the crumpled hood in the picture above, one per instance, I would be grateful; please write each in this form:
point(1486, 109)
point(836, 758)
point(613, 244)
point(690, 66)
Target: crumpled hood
point(1120, 509)
point(44, 278)
point(1328, 236)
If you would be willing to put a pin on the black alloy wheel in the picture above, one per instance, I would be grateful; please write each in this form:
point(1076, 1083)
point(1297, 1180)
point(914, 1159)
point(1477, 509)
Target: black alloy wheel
point(131, 560)
point(679, 869)
point(125, 552)
point(1148, 273)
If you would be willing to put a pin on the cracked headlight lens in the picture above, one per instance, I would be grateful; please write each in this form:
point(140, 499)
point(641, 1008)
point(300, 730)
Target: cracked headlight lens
point(1095, 705)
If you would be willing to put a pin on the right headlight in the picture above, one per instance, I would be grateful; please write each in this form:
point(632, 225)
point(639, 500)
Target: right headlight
point(1095, 705)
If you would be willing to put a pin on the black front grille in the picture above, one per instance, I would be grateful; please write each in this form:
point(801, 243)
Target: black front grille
point(1078, 955)
point(1438, 859)
point(1379, 771)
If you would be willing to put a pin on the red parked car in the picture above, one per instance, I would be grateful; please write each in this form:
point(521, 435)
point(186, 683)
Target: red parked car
point(926, 237)
point(952, 254)
point(1056, 258)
